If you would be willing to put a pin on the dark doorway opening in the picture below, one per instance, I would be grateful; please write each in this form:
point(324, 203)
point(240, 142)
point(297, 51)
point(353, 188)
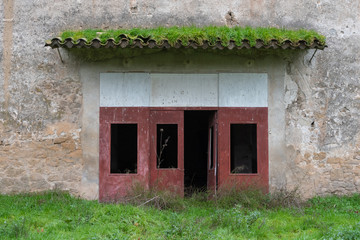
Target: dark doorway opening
point(196, 130)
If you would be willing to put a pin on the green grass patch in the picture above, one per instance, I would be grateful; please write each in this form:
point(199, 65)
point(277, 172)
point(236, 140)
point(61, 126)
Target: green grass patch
point(212, 34)
point(57, 215)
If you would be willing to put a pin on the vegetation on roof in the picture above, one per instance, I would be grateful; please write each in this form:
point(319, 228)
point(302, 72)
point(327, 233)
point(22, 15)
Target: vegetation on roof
point(212, 34)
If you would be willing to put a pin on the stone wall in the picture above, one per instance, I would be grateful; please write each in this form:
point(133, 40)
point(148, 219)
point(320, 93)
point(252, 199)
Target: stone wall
point(52, 162)
point(41, 98)
point(323, 139)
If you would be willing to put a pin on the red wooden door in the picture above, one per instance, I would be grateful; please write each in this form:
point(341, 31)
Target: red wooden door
point(118, 181)
point(243, 147)
point(212, 154)
point(167, 150)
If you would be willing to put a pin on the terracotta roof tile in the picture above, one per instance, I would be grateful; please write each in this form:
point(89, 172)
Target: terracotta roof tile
point(140, 42)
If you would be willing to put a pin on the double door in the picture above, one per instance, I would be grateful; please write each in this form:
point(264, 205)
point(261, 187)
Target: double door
point(147, 146)
point(167, 130)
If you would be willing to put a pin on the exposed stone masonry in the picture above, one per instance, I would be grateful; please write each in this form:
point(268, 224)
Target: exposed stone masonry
point(53, 162)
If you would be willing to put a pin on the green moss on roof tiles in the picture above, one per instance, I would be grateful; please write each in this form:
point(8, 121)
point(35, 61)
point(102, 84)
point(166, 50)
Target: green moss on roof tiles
point(212, 34)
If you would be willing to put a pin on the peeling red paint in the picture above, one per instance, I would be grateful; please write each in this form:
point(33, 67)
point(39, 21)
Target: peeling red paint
point(113, 186)
point(258, 116)
point(169, 178)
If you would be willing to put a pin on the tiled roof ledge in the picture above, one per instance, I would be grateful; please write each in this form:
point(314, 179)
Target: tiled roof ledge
point(210, 37)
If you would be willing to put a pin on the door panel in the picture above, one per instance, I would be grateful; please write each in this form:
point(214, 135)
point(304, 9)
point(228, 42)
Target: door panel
point(167, 150)
point(243, 119)
point(212, 154)
point(115, 183)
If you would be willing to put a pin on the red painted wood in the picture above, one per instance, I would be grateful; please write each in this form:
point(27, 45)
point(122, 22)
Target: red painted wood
point(227, 116)
point(114, 186)
point(167, 178)
point(212, 172)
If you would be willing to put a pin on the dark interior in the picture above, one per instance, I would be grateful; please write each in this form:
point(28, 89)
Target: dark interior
point(196, 125)
point(167, 145)
point(123, 148)
point(243, 148)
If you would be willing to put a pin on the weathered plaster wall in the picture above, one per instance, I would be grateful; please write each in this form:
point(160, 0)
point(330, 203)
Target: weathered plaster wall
point(43, 144)
point(40, 106)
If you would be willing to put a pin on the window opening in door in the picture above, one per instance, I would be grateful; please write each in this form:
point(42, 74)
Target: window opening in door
point(123, 148)
point(243, 148)
point(167, 145)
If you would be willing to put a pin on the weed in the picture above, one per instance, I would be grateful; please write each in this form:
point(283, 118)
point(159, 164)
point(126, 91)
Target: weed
point(249, 197)
point(349, 233)
point(159, 199)
point(162, 148)
point(60, 216)
point(237, 218)
point(180, 228)
point(341, 204)
point(285, 198)
point(15, 229)
point(313, 222)
point(197, 195)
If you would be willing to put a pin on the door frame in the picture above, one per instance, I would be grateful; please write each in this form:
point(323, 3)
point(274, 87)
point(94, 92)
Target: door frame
point(212, 174)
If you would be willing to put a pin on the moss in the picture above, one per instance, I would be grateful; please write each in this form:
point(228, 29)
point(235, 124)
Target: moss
point(210, 33)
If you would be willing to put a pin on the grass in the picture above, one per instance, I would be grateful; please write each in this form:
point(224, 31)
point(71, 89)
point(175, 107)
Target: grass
point(233, 215)
point(210, 33)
